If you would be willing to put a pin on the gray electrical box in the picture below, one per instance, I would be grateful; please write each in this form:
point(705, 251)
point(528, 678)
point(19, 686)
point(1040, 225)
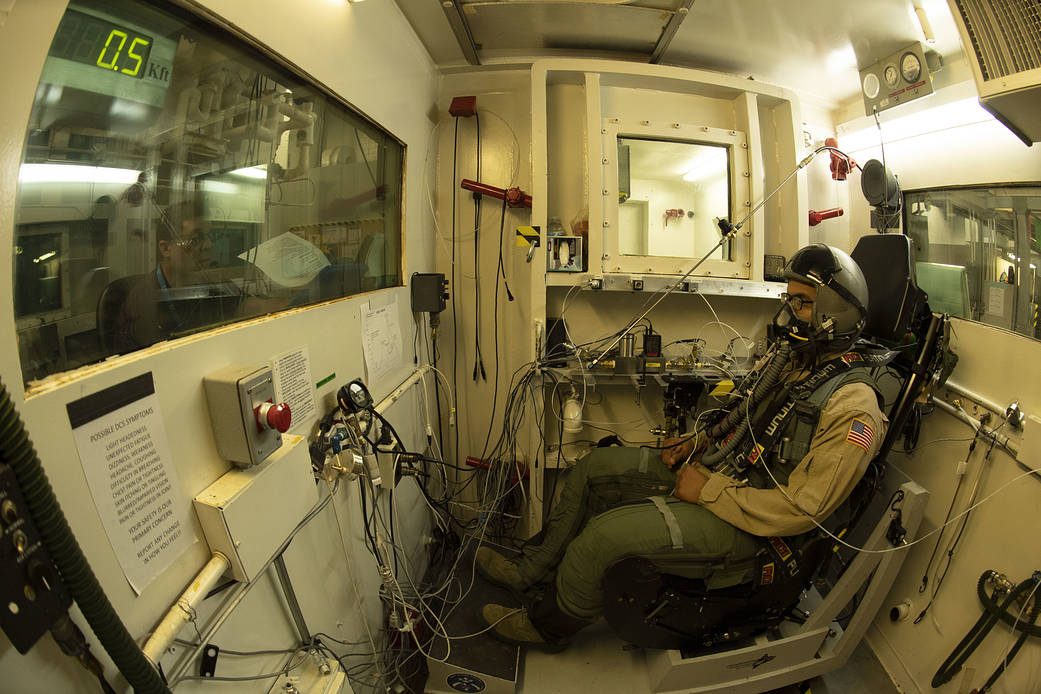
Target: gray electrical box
point(240, 399)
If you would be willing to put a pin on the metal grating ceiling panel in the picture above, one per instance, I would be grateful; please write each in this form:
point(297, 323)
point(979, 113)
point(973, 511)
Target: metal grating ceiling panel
point(1005, 35)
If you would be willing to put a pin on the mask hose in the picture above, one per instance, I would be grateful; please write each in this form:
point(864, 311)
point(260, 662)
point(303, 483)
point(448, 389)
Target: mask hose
point(17, 451)
point(741, 412)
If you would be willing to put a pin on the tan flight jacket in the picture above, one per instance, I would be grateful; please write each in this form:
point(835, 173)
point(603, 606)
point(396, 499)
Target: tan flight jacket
point(817, 485)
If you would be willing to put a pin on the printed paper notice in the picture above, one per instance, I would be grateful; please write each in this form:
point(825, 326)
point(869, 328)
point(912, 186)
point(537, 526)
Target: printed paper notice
point(287, 259)
point(381, 340)
point(123, 448)
point(293, 386)
point(996, 300)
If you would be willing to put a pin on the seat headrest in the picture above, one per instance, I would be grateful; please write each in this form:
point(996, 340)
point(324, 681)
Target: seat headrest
point(887, 261)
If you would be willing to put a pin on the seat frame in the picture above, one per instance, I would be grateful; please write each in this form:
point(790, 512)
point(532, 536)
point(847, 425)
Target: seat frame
point(801, 651)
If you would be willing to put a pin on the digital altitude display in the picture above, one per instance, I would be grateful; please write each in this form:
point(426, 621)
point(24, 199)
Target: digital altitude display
point(108, 46)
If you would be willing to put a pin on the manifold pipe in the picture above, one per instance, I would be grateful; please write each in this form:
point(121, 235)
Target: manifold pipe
point(184, 608)
point(975, 397)
point(977, 425)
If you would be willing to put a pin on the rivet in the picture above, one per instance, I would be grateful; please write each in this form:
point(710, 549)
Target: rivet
point(603, 131)
point(747, 204)
point(605, 191)
point(705, 128)
point(733, 132)
point(645, 122)
point(605, 160)
point(607, 223)
point(606, 256)
point(748, 264)
point(745, 174)
point(675, 125)
point(744, 145)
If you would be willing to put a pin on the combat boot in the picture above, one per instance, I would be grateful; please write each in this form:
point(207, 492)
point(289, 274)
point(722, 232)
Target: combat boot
point(499, 570)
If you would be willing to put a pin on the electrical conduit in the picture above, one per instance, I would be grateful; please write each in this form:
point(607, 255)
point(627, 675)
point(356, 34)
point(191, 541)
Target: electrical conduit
point(17, 451)
point(184, 608)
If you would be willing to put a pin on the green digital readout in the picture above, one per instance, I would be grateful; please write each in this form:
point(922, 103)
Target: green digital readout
point(83, 38)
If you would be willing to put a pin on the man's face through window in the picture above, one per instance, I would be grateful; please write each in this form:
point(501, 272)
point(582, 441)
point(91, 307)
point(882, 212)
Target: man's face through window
point(188, 254)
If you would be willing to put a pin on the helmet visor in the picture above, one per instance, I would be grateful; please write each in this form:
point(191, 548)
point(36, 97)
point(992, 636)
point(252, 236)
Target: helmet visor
point(816, 263)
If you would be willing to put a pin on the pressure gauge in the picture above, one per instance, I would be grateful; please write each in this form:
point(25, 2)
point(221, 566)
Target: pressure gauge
point(871, 85)
point(910, 67)
point(891, 75)
point(354, 397)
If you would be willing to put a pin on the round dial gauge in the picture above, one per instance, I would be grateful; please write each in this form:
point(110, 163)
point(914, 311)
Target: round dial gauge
point(871, 85)
point(890, 75)
point(910, 67)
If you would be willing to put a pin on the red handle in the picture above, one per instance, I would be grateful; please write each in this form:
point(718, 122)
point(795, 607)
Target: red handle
point(818, 217)
point(515, 197)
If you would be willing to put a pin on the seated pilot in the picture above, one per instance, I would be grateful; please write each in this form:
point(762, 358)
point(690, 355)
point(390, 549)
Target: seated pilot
point(156, 306)
point(624, 502)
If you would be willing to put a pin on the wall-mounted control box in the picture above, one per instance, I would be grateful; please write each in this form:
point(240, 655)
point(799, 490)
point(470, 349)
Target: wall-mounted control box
point(247, 514)
point(247, 422)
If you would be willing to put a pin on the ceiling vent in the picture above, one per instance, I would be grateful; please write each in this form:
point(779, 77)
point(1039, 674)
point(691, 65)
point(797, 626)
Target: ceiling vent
point(1002, 39)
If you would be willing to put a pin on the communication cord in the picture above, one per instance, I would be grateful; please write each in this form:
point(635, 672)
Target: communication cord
point(17, 450)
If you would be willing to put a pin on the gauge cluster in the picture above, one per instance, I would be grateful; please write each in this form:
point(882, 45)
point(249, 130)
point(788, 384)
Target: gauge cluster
point(896, 79)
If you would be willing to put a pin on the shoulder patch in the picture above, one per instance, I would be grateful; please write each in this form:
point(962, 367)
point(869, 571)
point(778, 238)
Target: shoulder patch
point(860, 433)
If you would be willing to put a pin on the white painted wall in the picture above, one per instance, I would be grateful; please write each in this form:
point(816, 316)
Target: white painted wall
point(370, 56)
point(996, 364)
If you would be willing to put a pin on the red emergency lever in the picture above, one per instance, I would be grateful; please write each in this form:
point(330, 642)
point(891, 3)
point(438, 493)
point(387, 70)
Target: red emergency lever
point(515, 197)
point(818, 217)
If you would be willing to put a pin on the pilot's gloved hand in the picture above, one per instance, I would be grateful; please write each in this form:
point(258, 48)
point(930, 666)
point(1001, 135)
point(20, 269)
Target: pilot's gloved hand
point(676, 450)
point(689, 483)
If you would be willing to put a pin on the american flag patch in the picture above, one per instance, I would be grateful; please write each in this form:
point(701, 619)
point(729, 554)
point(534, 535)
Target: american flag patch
point(860, 434)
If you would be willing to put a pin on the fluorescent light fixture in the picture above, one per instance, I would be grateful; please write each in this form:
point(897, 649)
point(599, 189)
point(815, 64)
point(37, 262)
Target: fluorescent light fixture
point(251, 172)
point(952, 115)
point(710, 163)
point(841, 59)
point(46, 256)
point(72, 173)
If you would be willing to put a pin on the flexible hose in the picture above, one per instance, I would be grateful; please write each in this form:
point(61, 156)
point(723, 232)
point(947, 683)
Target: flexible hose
point(741, 412)
point(765, 385)
point(17, 451)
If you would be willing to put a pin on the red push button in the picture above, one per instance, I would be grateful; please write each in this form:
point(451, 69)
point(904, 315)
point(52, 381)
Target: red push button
point(274, 416)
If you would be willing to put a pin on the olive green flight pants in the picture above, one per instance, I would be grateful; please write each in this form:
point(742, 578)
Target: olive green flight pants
point(615, 504)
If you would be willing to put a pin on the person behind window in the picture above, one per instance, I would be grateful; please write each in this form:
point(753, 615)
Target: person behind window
point(623, 502)
point(161, 304)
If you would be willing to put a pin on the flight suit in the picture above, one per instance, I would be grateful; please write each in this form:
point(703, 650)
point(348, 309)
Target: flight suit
point(617, 503)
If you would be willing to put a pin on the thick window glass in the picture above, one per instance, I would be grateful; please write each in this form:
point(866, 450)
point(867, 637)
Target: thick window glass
point(670, 195)
point(978, 250)
point(175, 179)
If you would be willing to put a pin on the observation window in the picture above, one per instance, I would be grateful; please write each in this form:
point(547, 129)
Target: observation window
point(665, 187)
point(977, 250)
point(176, 179)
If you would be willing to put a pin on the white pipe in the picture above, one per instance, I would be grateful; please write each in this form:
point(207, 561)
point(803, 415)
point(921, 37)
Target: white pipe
point(975, 397)
point(184, 608)
point(396, 394)
point(999, 439)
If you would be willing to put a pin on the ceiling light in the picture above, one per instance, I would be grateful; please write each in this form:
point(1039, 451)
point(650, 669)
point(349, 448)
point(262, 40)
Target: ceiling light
point(251, 172)
point(73, 173)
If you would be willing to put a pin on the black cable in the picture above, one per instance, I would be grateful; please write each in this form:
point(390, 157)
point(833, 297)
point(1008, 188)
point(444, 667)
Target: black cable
point(939, 536)
point(478, 359)
point(455, 285)
point(437, 384)
point(495, 328)
point(964, 522)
